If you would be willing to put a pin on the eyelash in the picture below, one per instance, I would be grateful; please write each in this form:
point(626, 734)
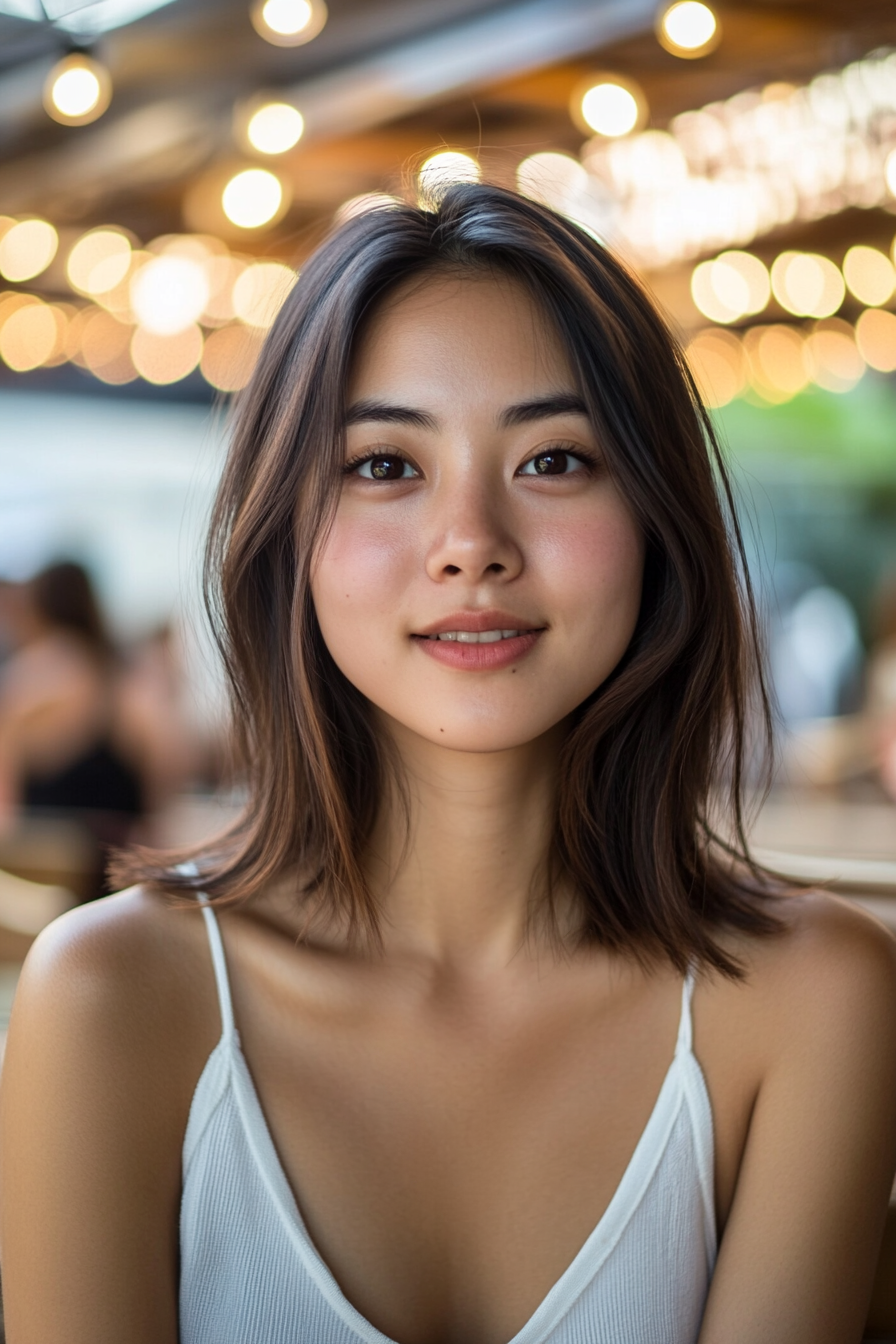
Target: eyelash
point(588, 460)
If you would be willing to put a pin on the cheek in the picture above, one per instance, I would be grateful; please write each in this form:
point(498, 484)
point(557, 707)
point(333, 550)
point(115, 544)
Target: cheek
point(597, 561)
point(360, 573)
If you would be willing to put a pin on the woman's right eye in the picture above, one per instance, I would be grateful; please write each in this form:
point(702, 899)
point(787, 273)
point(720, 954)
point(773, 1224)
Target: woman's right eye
point(383, 467)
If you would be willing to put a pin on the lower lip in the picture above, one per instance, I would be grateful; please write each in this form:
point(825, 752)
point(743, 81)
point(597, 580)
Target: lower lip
point(479, 657)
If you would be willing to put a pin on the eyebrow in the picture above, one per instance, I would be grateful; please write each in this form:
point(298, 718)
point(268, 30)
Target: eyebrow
point(522, 413)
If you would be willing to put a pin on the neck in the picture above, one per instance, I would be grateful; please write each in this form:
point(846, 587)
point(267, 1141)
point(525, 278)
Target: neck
point(459, 883)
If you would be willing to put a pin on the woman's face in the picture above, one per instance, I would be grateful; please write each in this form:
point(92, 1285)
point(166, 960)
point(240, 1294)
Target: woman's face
point(482, 575)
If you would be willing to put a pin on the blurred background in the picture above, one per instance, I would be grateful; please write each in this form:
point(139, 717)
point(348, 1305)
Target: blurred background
point(165, 167)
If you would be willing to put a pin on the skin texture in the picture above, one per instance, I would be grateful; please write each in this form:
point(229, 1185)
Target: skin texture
point(454, 1113)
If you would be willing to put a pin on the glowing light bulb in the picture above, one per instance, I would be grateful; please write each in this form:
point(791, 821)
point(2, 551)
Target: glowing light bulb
point(688, 29)
point(288, 23)
point(77, 90)
point(275, 128)
point(252, 198)
point(610, 109)
point(169, 293)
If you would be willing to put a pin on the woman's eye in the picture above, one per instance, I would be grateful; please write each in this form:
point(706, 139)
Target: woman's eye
point(386, 467)
point(554, 462)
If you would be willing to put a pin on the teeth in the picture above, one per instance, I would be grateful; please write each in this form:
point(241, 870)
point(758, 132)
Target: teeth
point(477, 636)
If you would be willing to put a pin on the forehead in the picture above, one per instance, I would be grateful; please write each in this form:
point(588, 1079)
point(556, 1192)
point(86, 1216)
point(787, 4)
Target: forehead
point(460, 332)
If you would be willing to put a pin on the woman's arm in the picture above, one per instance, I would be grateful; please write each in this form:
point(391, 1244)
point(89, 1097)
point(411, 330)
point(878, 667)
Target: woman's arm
point(800, 1247)
point(92, 1111)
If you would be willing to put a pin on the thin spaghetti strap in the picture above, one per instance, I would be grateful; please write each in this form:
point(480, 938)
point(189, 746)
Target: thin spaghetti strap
point(220, 964)
point(685, 1028)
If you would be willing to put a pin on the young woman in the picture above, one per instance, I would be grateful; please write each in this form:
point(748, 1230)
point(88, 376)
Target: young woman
point(478, 1033)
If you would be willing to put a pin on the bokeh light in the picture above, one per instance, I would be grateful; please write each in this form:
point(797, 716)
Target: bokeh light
point(27, 248)
point(833, 359)
point(555, 180)
point(777, 361)
point(164, 359)
point(275, 128)
point(77, 90)
point(876, 339)
point(169, 293)
point(688, 29)
point(890, 172)
point(611, 108)
point(98, 261)
point(734, 285)
point(363, 204)
point(441, 170)
point(28, 336)
point(229, 357)
point(104, 347)
point(807, 285)
point(288, 23)
point(869, 275)
point(259, 292)
point(252, 198)
point(716, 359)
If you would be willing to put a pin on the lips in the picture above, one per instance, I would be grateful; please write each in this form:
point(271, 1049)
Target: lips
point(480, 641)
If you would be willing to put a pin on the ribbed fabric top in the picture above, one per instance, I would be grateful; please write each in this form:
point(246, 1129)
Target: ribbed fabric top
point(250, 1273)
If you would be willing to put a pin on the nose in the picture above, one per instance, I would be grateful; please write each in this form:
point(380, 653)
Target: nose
point(472, 538)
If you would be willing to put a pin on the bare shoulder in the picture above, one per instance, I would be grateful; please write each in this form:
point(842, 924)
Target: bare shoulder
point(833, 964)
point(123, 974)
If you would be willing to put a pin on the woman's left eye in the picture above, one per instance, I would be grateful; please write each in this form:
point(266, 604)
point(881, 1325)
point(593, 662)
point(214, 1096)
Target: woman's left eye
point(553, 462)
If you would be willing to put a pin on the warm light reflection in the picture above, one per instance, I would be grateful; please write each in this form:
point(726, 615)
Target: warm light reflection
point(275, 128)
point(688, 29)
point(832, 356)
point(229, 357)
point(442, 170)
point(27, 248)
point(252, 198)
point(716, 360)
point(869, 274)
point(288, 23)
point(169, 293)
point(259, 292)
point(807, 285)
point(77, 90)
point(98, 261)
point(164, 359)
point(610, 108)
point(876, 339)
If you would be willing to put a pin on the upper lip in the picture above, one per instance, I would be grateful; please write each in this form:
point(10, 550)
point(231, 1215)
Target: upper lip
point(478, 621)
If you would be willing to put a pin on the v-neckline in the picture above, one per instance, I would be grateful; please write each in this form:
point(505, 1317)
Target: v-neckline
point(568, 1287)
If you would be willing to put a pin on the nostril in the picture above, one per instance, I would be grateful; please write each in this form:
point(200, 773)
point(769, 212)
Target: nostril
point(496, 568)
point(452, 569)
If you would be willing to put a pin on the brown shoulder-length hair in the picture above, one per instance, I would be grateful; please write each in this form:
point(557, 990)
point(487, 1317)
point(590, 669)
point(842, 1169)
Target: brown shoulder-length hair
point(647, 752)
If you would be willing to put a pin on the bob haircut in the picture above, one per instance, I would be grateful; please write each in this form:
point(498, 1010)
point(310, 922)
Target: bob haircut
point(648, 750)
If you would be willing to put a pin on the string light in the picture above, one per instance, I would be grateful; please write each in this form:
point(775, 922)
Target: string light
point(876, 339)
point(869, 275)
point(229, 357)
point(288, 23)
point(259, 292)
point(807, 285)
point(688, 29)
point(77, 90)
point(98, 261)
point(169, 293)
point(441, 170)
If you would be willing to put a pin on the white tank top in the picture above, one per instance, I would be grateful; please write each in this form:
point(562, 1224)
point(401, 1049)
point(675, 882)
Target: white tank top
point(250, 1274)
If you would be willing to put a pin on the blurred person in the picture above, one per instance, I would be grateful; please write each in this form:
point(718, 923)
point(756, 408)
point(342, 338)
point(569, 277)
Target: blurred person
point(60, 722)
point(470, 1028)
